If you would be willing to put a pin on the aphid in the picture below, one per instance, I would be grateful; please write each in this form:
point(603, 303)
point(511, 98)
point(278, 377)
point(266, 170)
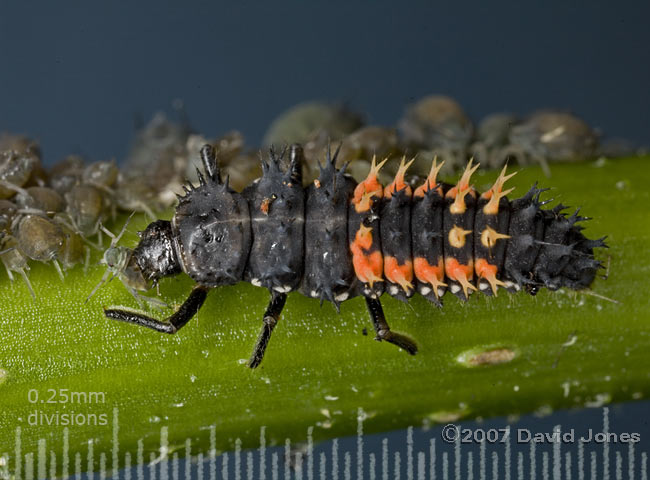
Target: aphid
point(39, 238)
point(158, 156)
point(101, 174)
point(551, 137)
point(361, 146)
point(30, 233)
point(438, 124)
point(66, 174)
point(74, 249)
point(314, 125)
point(19, 143)
point(12, 259)
point(132, 195)
point(368, 142)
point(15, 169)
point(121, 262)
point(302, 121)
point(43, 199)
point(492, 135)
point(338, 239)
point(87, 207)
point(8, 210)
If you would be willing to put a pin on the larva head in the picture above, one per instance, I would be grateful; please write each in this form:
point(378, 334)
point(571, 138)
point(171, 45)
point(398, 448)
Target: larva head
point(140, 268)
point(155, 255)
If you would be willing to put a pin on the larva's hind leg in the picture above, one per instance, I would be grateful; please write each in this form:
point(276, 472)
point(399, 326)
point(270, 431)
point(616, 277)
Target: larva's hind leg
point(383, 330)
point(271, 317)
point(172, 324)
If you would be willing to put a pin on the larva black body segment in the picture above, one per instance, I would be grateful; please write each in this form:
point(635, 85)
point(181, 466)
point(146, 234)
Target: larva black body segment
point(458, 225)
point(337, 239)
point(277, 208)
point(490, 235)
point(212, 229)
point(395, 228)
point(427, 243)
point(526, 230)
point(329, 274)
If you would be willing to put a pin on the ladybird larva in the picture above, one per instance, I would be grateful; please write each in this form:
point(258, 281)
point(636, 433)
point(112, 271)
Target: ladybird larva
point(337, 239)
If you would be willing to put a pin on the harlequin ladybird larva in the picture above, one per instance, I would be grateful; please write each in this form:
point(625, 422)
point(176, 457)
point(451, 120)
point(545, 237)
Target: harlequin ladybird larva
point(337, 239)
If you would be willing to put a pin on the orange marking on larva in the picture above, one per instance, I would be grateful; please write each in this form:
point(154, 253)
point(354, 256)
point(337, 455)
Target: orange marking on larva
point(368, 267)
point(457, 236)
point(488, 272)
point(317, 183)
point(495, 194)
point(399, 274)
point(460, 273)
point(427, 273)
point(461, 189)
point(369, 188)
point(398, 183)
point(266, 203)
point(363, 237)
point(490, 236)
point(364, 203)
point(432, 180)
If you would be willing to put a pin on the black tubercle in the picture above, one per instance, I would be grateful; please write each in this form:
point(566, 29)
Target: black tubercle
point(209, 159)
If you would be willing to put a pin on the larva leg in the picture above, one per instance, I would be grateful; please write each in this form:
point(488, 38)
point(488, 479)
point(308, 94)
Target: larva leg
point(172, 324)
point(271, 317)
point(383, 330)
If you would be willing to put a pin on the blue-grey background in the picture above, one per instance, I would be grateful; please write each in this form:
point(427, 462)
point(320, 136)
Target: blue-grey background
point(75, 74)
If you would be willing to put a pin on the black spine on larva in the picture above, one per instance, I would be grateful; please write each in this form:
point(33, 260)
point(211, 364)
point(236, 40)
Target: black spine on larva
point(395, 229)
point(329, 273)
point(487, 245)
point(211, 226)
point(426, 236)
point(277, 207)
point(526, 229)
point(463, 251)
